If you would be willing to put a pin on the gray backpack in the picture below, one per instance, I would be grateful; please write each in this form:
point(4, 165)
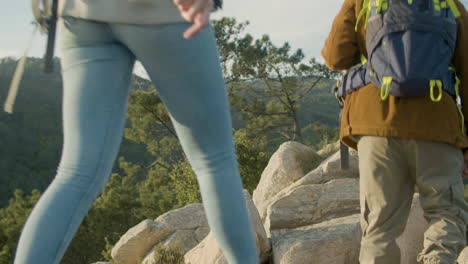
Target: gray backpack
point(410, 45)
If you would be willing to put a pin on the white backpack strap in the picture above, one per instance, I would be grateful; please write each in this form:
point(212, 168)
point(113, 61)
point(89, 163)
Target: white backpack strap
point(41, 14)
point(15, 82)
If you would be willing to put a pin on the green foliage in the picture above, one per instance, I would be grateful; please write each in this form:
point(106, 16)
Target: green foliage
point(12, 219)
point(168, 255)
point(106, 253)
point(31, 138)
point(267, 82)
point(185, 184)
point(252, 157)
point(124, 203)
point(150, 125)
point(318, 136)
point(156, 193)
point(111, 215)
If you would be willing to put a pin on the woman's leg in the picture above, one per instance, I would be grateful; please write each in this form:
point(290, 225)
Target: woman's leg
point(189, 79)
point(96, 74)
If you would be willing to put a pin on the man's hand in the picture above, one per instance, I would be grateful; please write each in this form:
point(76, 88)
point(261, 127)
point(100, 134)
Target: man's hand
point(196, 12)
point(465, 170)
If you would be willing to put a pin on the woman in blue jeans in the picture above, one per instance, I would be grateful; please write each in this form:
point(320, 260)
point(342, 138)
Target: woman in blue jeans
point(99, 42)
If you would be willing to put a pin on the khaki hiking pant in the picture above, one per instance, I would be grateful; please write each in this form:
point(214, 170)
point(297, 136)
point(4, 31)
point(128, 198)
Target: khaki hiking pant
point(390, 168)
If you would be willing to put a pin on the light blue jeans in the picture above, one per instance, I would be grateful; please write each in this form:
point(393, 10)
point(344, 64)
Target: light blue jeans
point(97, 62)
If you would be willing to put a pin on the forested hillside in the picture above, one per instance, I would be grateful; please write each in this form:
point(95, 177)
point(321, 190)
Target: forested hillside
point(276, 95)
point(31, 137)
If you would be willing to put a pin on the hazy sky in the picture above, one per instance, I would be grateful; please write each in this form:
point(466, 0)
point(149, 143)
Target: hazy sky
point(302, 23)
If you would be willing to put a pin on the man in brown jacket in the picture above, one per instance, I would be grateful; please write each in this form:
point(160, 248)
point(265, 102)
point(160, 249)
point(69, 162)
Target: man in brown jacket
point(403, 143)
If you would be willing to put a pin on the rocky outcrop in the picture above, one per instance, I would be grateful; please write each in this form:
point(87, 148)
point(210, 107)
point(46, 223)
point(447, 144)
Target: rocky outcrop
point(308, 212)
point(208, 251)
point(463, 258)
point(290, 163)
point(332, 242)
point(313, 203)
point(184, 227)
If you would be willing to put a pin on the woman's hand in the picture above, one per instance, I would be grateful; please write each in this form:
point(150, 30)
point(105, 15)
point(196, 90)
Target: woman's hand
point(196, 12)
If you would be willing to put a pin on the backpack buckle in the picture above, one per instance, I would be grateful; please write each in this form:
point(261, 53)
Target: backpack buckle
point(385, 89)
point(435, 84)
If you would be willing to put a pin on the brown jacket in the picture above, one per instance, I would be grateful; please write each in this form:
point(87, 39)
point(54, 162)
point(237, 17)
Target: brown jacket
point(364, 113)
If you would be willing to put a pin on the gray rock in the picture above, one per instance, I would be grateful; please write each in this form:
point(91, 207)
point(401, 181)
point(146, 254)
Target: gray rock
point(310, 204)
point(185, 227)
point(330, 169)
point(333, 242)
point(184, 240)
point(208, 250)
point(191, 216)
point(134, 245)
point(287, 165)
point(463, 258)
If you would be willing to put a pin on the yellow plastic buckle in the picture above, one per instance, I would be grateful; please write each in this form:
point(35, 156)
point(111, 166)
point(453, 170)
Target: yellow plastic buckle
point(435, 84)
point(385, 89)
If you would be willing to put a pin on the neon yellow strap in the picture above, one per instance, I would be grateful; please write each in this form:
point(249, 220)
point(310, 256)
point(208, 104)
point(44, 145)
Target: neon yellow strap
point(379, 5)
point(435, 84)
point(385, 89)
point(453, 8)
point(436, 5)
point(443, 4)
point(385, 5)
point(410, 2)
point(363, 59)
point(366, 9)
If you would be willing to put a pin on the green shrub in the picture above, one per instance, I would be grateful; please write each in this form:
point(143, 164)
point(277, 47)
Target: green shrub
point(168, 255)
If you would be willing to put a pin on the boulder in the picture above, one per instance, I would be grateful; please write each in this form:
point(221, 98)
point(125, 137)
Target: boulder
point(208, 251)
point(183, 240)
point(330, 169)
point(287, 165)
point(336, 241)
point(463, 258)
point(185, 227)
point(310, 204)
